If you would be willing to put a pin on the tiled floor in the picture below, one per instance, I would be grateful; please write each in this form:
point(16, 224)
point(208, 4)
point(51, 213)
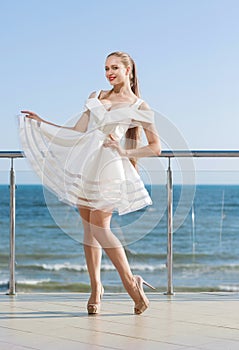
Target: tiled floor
point(59, 321)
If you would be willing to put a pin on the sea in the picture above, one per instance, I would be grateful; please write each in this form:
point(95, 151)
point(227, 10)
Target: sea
point(50, 254)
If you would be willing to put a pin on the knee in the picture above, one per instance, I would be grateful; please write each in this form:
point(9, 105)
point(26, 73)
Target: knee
point(90, 240)
point(98, 220)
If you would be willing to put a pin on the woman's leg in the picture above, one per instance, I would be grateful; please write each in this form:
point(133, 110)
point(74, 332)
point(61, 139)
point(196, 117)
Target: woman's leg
point(93, 253)
point(100, 228)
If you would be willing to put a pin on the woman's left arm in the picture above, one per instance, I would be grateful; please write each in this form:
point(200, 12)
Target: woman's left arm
point(152, 149)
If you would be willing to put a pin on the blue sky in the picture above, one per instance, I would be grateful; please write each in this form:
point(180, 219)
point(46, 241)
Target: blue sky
point(186, 51)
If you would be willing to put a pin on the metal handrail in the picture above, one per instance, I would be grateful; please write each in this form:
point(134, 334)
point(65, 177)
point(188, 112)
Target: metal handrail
point(165, 154)
point(11, 154)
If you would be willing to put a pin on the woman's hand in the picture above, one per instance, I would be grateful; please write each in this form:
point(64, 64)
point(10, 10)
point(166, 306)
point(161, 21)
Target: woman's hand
point(111, 142)
point(32, 115)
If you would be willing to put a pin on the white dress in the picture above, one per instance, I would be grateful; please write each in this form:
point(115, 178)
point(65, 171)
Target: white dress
point(78, 168)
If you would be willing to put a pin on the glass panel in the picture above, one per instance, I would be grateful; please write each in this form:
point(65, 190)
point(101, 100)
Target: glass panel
point(206, 238)
point(206, 246)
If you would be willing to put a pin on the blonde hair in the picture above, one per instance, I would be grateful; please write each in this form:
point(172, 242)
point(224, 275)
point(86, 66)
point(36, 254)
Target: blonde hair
point(132, 134)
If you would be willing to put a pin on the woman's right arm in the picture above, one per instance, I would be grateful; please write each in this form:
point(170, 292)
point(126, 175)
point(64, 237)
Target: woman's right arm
point(81, 125)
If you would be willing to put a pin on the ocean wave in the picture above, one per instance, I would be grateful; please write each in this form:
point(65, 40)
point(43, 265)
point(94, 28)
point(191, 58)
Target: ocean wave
point(83, 268)
point(4, 283)
point(206, 267)
point(135, 266)
point(177, 256)
point(146, 267)
point(62, 266)
point(33, 282)
point(229, 288)
point(48, 285)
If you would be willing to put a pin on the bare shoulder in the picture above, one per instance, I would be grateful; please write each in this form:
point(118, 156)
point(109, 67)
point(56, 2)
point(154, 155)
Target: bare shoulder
point(93, 94)
point(144, 106)
point(102, 94)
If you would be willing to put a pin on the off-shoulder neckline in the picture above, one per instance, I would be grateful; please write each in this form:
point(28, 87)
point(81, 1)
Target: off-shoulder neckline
point(136, 103)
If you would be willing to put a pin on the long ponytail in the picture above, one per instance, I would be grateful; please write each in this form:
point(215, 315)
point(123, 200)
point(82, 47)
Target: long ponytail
point(132, 134)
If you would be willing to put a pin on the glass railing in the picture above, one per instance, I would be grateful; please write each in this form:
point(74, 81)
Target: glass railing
point(188, 240)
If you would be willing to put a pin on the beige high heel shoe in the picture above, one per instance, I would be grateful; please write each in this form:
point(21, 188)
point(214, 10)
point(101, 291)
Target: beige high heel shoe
point(143, 304)
point(94, 308)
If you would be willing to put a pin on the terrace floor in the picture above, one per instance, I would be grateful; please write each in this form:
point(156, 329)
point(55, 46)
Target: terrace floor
point(205, 321)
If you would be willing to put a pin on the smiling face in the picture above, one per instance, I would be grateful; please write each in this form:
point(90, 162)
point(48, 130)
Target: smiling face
point(115, 71)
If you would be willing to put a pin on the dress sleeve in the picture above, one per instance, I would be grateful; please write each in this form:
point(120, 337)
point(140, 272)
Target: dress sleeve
point(140, 115)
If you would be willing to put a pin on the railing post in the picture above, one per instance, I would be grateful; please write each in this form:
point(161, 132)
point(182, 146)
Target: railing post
point(170, 229)
point(12, 282)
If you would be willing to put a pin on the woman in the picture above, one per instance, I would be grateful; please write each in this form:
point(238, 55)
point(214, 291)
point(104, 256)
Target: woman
point(87, 167)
